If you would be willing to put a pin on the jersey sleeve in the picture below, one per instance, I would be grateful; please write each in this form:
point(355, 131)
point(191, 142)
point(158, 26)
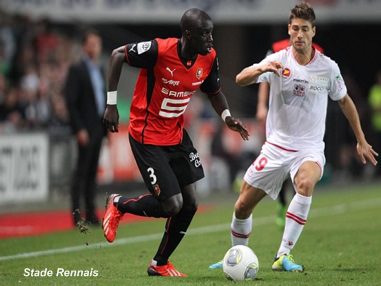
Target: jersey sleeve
point(338, 88)
point(142, 54)
point(211, 84)
point(265, 77)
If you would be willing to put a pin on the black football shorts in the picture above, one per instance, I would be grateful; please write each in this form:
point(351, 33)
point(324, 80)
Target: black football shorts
point(167, 169)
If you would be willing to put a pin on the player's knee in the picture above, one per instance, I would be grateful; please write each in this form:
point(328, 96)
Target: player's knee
point(305, 186)
point(173, 209)
point(173, 205)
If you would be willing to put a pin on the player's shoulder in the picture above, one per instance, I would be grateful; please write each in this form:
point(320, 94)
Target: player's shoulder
point(167, 43)
point(324, 59)
point(279, 55)
point(323, 62)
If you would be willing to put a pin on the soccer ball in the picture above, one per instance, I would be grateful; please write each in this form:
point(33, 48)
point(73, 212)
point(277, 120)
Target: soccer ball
point(240, 263)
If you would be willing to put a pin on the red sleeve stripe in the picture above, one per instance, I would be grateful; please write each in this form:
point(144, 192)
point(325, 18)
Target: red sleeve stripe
point(296, 218)
point(240, 235)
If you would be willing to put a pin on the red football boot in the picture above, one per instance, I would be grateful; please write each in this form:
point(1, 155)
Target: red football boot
point(111, 219)
point(164, 270)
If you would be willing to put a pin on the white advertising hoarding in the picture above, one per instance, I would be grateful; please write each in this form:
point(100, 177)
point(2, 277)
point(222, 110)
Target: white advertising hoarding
point(23, 168)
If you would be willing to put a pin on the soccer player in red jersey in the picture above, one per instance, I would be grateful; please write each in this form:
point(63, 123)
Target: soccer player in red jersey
point(171, 71)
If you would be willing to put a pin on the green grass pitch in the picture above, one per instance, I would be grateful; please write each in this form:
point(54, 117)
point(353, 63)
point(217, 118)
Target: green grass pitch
point(340, 245)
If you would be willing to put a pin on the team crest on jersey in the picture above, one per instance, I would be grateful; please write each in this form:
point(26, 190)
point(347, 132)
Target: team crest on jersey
point(143, 47)
point(199, 73)
point(286, 72)
point(156, 190)
point(299, 90)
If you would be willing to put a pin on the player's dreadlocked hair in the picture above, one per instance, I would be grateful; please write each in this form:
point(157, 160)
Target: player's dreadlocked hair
point(303, 11)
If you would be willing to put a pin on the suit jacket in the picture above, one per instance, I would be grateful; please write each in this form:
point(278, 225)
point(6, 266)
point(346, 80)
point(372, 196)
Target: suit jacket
point(81, 101)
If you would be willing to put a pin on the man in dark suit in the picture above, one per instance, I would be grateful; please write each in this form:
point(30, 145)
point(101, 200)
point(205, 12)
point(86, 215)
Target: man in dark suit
point(85, 99)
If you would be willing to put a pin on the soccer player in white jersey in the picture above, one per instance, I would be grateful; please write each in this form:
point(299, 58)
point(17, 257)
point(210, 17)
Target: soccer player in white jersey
point(301, 81)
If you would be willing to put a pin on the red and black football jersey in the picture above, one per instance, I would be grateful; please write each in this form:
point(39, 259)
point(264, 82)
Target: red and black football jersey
point(164, 88)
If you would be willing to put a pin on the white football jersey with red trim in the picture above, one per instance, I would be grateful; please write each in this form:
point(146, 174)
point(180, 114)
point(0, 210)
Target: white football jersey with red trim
point(298, 99)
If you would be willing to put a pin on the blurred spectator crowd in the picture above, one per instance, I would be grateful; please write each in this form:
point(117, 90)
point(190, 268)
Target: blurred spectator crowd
point(34, 59)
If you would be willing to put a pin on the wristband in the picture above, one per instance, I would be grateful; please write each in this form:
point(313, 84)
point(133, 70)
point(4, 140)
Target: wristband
point(225, 114)
point(112, 97)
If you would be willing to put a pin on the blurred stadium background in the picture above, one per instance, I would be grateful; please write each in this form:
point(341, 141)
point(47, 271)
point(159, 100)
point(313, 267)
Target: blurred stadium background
point(40, 38)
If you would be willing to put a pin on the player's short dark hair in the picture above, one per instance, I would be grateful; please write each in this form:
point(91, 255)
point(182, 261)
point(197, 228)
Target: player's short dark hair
point(190, 16)
point(303, 11)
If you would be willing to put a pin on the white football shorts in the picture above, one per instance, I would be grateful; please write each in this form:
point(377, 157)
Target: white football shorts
point(275, 164)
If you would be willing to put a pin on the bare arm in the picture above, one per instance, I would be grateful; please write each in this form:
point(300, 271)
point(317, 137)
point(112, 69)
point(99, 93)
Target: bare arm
point(263, 95)
point(219, 104)
point(364, 150)
point(250, 74)
point(111, 115)
point(115, 68)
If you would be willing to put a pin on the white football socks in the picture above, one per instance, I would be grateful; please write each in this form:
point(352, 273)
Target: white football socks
point(296, 217)
point(240, 230)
